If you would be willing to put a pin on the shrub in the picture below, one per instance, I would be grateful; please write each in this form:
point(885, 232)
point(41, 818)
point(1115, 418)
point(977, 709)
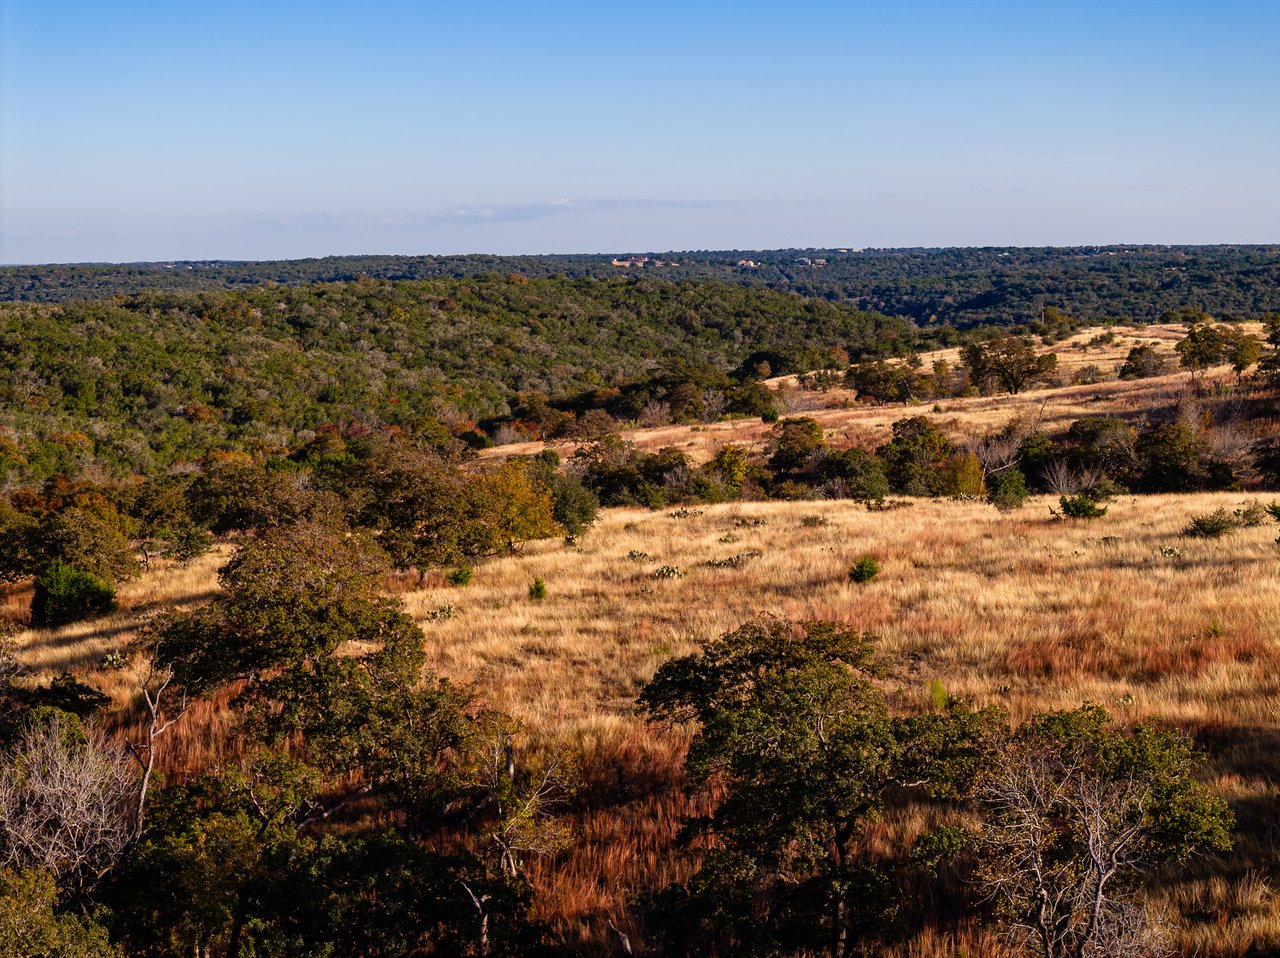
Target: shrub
point(441, 613)
point(1172, 457)
point(186, 543)
point(1081, 506)
point(460, 576)
point(887, 505)
point(1213, 525)
point(537, 590)
point(685, 513)
point(1006, 490)
point(1143, 362)
point(864, 570)
point(1104, 490)
point(94, 542)
point(1216, 524)
point(1250, 515)
point(915, 457)
point(65, 594)
point(667, 572)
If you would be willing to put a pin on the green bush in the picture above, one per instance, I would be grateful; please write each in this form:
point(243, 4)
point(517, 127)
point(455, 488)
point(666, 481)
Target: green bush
point(1211, 525)
point(864, 570)
point(65, 594)
point(186, 543)
point(1006, 490)
point(537, 590)
point(1081, 506)
point(460, 576)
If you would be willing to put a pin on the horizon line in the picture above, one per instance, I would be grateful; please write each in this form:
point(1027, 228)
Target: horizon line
point(848, 250)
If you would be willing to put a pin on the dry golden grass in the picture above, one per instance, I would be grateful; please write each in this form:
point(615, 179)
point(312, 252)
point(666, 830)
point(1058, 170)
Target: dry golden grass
point(81, 645)
point(847, 422)
point(1012, 609)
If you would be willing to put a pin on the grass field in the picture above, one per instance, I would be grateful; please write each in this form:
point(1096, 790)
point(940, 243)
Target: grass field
point(1013, 609)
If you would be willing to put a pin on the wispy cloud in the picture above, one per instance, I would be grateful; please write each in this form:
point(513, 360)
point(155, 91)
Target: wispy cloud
point(481, 213)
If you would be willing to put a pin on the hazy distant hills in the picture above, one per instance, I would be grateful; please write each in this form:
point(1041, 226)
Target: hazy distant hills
point(963, 287)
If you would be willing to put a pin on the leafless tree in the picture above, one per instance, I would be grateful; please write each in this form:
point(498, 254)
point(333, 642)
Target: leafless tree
point(655, 413)
point(506, 434)
point(1063, 479)
point(1067, 905)
point(66, 803)
point(1230, 440)
point(714, 403)
point(676, 481)
point(165, 707)
point(792, 399)
point(997, 452)
point(481, 903)
point(1002, 450)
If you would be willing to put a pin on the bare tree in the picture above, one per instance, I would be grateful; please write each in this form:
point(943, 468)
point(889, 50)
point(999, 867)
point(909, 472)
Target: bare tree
point(481, 903)
point(1063, 479)
point(1062, 904)
point(1076, 810)
point(66, 802)
point(1002, 450)
point(165, 708)
point(998, 451)
point(506, 434)
point(655, 413)
point(714, 403)
point(792, 399)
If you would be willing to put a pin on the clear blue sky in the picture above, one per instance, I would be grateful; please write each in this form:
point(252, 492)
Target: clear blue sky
point(142, 130)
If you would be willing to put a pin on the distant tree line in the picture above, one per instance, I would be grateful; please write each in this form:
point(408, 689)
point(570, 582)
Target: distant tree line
point(960, 288)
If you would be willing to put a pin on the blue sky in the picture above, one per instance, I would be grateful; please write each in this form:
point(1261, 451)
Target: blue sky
point(149, 131)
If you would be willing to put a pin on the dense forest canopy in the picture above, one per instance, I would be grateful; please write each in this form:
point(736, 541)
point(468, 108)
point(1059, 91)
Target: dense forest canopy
point(962, 287)
point(144, 381)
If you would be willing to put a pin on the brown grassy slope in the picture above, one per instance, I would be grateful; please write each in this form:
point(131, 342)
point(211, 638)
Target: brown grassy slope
point(847, 422)
point(1016, 609)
